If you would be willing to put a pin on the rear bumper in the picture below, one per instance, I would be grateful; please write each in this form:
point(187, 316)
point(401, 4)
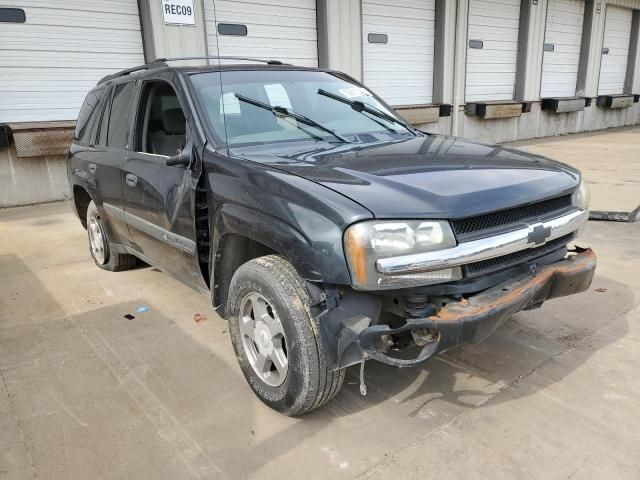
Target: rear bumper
point(472, 320)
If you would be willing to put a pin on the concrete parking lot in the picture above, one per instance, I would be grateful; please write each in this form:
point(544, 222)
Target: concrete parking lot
point(608, 161)
point(88, 393)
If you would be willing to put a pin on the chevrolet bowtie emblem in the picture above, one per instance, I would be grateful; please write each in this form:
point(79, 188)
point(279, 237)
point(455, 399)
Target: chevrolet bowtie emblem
point(539, 235)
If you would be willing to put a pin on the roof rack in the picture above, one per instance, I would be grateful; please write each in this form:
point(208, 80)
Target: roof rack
point(162, 63)
point(127, 71)
point(221, 57)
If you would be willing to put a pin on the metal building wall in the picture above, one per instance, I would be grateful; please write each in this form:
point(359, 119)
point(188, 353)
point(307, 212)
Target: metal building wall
point(340, 47)
point(408, 29)
point(633, 4)
point(282, 29)
point(339, 35)
point(562, 42)
point(49, 62)
point(615, 50)
point(536, 122)
point(492, 53)
point(530, 51)
point(162, 40)
point(66, 48)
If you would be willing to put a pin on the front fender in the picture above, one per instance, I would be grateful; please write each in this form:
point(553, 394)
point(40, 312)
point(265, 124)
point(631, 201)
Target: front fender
point(314, 253)
point(297, 218)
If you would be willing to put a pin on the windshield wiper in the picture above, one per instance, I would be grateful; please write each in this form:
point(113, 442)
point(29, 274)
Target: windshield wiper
point(277, 110)
point(360, 107)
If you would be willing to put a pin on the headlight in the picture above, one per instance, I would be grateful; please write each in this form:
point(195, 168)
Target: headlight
point(580, 197)
point(367, 242)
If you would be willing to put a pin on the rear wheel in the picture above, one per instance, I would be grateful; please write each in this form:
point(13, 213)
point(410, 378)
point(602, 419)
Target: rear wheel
point(99, 244)
point(276, 340)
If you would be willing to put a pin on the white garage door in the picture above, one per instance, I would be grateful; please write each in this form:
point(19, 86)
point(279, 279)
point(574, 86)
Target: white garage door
point(562, 40)
point(492, 50)
point(398, 49)
point(615, 50)
point(50, 62)
point(271, 29)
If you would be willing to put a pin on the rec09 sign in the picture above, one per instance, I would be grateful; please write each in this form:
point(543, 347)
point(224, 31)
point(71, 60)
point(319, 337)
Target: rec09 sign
point(178, 12)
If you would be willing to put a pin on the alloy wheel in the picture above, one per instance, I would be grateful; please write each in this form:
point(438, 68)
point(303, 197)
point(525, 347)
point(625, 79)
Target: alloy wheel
point(263, 339)
point(97, 241)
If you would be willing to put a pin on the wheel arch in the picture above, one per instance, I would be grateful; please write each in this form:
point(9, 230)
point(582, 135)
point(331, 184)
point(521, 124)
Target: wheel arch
point(81, 200)
point(233, 250)
point(241, 234)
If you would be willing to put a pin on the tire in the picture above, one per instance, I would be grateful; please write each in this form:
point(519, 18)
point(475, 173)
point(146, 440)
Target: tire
point(307, 383)
point(99, 245)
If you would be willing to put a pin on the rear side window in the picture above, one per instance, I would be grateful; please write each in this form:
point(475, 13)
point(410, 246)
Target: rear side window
point(103, 123)
point(119, 116)
point(87, 116)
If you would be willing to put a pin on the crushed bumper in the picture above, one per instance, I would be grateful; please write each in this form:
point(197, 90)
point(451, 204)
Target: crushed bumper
point(471, 320)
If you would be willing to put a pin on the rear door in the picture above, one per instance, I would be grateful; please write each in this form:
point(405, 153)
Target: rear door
point(160, 199)
point(108, 156)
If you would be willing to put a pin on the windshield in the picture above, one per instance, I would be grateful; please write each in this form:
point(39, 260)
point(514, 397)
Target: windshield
point(242, 107)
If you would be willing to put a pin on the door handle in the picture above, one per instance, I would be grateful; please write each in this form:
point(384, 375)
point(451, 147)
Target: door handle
point(131, 180)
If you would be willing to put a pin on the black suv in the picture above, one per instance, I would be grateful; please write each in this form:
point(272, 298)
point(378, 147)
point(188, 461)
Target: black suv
point(327, 230)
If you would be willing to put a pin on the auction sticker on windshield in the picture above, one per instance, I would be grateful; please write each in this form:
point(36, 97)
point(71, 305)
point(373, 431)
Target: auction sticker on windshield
point(354, 92)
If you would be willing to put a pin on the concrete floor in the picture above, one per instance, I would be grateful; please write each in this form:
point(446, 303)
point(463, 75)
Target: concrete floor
point(87, 394)
point(609, 161)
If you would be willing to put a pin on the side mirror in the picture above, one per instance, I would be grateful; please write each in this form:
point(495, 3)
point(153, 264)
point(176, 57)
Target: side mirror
point(182, 159)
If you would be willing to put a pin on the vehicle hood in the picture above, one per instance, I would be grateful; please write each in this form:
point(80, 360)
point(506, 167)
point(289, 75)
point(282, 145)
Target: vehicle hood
point(430, 176)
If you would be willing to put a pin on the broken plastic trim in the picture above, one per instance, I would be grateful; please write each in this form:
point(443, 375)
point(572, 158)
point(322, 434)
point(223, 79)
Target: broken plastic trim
point(352, 338)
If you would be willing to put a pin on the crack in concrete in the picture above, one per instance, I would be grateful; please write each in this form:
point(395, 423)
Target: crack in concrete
point(19, 425)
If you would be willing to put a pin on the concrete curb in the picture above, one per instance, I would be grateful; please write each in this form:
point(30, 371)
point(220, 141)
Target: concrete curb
point(632, 216)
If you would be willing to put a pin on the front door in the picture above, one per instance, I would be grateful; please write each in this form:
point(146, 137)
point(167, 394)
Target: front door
point(159, 199)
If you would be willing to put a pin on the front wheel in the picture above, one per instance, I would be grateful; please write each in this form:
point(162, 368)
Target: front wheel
point(276, 340)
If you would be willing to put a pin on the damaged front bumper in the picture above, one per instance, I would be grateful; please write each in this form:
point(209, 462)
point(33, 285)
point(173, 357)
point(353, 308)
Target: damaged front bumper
point(461, 321)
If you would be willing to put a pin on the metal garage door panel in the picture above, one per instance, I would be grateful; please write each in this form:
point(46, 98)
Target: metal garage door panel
point(51, 61)
point(617, 36)
point(401, 70)
point(276, 29)
point(564, 32)
point(491, 70)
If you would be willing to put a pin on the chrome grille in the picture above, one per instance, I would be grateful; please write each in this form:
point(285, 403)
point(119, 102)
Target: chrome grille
point(524, 213)
point(506, 261)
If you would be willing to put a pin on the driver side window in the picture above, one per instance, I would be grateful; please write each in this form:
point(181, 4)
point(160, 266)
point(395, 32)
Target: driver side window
point(161, 120)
